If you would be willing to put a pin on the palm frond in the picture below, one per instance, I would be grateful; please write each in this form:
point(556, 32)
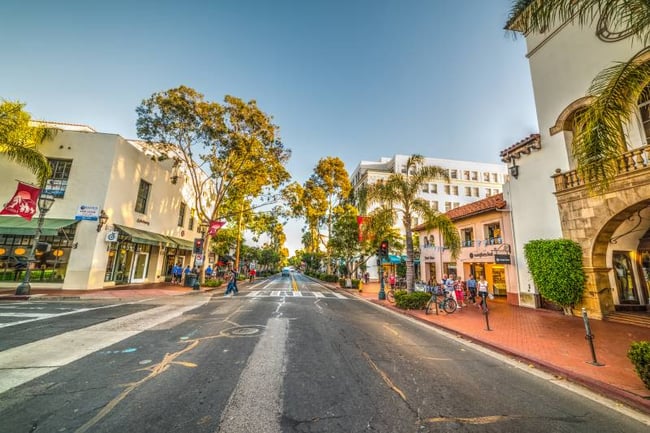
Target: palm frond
point(632, 16)
point(601, 140)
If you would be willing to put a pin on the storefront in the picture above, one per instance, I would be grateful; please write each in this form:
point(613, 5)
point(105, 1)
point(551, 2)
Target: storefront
point(52, 253)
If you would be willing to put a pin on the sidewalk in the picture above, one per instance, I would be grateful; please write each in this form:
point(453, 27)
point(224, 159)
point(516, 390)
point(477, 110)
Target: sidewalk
point(547, 340)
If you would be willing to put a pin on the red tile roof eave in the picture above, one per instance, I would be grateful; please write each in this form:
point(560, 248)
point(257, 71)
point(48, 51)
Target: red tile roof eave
point(506, 153)
point(472, 209)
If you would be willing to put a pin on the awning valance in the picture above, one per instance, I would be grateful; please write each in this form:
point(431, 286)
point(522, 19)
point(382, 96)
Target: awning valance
point(144, 237)
point(182, 244)
point(14, 225)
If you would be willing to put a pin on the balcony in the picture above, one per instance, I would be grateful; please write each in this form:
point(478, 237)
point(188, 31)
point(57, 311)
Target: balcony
point(629, 163)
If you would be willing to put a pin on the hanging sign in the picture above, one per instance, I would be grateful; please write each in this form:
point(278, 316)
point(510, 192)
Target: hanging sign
point(503, 259)
point(23, 203)
point(111, 236)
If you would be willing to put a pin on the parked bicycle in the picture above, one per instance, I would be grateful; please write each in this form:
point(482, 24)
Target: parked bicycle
point(447, 303)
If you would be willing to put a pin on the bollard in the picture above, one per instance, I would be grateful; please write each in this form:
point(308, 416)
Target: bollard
point(590, 337)
point(487, 319)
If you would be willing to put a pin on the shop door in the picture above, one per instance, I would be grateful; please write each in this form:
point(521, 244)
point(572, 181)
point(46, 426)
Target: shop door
point(139, 267)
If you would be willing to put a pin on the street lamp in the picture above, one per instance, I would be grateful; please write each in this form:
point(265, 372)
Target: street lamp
point(101, 220)
point(45, 202)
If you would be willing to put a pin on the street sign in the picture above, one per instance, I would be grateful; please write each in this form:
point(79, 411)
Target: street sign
point(503, 259)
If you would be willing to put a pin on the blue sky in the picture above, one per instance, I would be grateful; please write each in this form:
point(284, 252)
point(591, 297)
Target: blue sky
point(357, 79)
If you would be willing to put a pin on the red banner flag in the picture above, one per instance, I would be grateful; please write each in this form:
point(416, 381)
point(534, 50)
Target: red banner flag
point(214, 227)
point(360, 220)
point(24, 202)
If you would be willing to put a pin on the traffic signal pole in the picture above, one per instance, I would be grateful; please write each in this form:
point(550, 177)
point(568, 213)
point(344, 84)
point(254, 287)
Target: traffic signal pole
point(383, 252)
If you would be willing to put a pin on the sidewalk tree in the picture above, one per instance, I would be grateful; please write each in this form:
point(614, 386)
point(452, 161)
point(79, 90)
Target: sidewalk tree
point(308, 201)
point(19, 140)
point(556, 268)
point(615, 92)
point(222, 149)
point(397, 198)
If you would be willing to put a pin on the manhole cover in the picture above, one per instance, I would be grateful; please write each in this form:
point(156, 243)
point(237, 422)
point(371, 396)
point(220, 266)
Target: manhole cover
point(244, 331)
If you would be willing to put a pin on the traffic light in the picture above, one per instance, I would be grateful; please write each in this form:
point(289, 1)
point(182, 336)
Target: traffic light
point(198, 245)
point(383, 249)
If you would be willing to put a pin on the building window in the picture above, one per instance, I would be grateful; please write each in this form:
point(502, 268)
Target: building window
point(467, 237)
point(143, 197)
point(495, 177)
point(454, 190)
point(475, 175)
point(455, 205)
point(425, 187)
point(488, 192)
point(57, 184)
point(475, 189)
point(493, 234)
point(447, 206)
point(453, 174)
point(466, 174)
point(644, 109)
point(486, 176)
point(468, 191)
point(447, 189)
point(190, 223)
point(434, 205)
point(181, 214)
point(434, 188)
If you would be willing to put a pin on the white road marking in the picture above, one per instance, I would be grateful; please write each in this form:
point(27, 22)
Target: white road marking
point(29, 361)
point(318, 294)
point(256, 403)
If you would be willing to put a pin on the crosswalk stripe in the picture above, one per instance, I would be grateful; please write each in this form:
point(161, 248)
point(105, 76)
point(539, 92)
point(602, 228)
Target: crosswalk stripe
point(291, 294)
point(338, 295)
point(318, 294)
point(275, 293)
point(297, 293)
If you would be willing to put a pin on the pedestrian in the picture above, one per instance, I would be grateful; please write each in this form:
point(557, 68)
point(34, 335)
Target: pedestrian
point(391, 281)
point(208, 272)
point(251, 275)
point(177, 272)
point(459, 288)
point(187, 271)
point(483, 293)
point(449, 283)
point(366, 277)
point(471, 287)
point(232, 283)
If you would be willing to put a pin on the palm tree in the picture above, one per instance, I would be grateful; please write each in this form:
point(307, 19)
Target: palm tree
point(614, 91)
point(19, 139)
point(398, 197)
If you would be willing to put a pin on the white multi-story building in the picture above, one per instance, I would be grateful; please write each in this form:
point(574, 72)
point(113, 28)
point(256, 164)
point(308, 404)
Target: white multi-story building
point(150, 226)
point(468, 182)
point(548, 196)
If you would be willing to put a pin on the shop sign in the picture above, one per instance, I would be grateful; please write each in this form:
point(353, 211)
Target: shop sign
point(111, 236)
point(480, 254)
point(503, 259)
point(87, 213)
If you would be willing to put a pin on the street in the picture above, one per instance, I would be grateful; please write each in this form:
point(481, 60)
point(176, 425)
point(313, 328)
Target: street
point(284, 355)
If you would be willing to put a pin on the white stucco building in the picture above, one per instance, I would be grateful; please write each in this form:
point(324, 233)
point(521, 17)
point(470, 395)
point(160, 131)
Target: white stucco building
point(150, 220)
point(469, 181)
point(549, 198)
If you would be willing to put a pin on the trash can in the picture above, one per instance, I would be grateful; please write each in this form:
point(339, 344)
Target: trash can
point(190, 279)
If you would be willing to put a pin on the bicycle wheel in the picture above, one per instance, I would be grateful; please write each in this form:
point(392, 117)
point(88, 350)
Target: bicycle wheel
point(431, 306)
point(390, 295)
point(449, 305)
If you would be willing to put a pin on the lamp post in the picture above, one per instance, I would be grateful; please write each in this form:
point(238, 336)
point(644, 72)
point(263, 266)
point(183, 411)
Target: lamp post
point(45, 202)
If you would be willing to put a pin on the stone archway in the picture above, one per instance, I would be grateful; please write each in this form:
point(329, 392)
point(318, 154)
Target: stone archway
point(591, 222)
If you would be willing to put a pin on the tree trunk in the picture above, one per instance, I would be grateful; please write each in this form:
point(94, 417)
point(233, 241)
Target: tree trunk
point(410, 275)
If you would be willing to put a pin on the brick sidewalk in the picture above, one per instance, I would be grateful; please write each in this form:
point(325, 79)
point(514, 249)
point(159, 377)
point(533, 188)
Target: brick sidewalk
point(549, 340)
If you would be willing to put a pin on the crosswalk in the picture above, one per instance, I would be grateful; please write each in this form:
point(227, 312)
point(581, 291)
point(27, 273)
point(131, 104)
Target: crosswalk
point(293, 294)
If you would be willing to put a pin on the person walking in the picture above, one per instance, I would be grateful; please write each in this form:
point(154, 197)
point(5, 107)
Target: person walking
point(459, 288)
point(483, 293)
point(449, 283)
point(391, 281)
point(232, 283)
point(208, 272)
point(471, 287)
point(177, 273)
point(251, 275)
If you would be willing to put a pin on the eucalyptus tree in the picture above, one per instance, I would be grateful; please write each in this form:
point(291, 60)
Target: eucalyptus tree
point(19, 140)
point(397, 199)
point(614, 92)
point(229, 151)
point(308, 202)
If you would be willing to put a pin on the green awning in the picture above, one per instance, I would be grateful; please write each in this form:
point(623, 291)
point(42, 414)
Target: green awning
point(15, 225)
point(182, 244)
point(393, 260)
point(144, 237)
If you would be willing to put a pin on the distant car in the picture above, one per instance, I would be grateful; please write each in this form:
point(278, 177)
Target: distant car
point(286, 272)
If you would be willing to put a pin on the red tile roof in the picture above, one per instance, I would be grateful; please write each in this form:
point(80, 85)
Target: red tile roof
point(478, 207)
point(532, 142)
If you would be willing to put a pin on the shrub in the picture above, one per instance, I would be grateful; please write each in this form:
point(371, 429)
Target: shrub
point(216, 282)
point(411, 301)
point(556, 268)
point(639, 354)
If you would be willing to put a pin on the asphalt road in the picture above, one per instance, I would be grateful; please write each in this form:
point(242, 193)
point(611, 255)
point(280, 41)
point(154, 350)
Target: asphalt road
point(285, 355)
